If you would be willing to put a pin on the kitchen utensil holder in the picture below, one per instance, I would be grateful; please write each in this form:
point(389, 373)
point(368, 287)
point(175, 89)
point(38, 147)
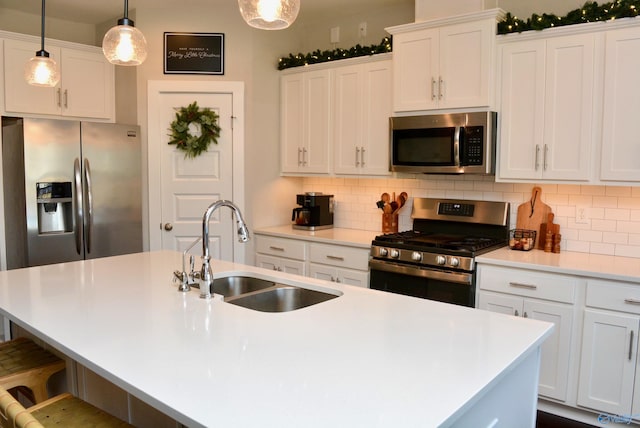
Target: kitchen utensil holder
point(389, 223)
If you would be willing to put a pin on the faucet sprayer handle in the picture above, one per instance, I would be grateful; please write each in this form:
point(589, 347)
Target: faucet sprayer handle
point(243, 232)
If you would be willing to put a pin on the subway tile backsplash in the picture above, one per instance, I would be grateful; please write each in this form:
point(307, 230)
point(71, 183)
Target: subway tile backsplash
point(612, 213)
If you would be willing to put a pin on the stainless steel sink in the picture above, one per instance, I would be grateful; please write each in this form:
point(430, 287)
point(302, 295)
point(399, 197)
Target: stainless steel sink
point(235, 285)
point(281, 298)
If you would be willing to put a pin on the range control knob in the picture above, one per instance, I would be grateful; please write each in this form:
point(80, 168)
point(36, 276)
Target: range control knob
point(395, 254)
point(455, 262)
point(416, 256)
point(383, 252)
point(441, 260)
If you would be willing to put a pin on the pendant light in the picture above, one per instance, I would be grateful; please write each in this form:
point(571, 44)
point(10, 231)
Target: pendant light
point(42, 70)
point(124, 44)
point(269, 14)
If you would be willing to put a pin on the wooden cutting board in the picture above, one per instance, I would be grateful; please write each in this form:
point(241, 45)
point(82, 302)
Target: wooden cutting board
point(532, 214)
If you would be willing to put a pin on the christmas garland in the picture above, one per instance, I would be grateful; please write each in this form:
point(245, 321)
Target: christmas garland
point(590, 12)
point(194, 145)
point(318, 56)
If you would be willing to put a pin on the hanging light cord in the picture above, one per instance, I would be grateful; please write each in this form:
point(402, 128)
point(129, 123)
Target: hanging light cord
point(42, 33)
point(126, 9)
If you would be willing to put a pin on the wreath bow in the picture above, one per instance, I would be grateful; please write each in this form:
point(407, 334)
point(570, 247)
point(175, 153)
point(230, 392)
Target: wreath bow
point(194, 145)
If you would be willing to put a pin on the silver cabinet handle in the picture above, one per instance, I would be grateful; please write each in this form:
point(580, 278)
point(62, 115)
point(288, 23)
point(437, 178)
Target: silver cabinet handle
point(516, 313)
point(362, 157)
point(520, 285)
point(632, 301)
point(525, 315)
point(304, 157)
point(433, 89)
point(299, 156)
point(271, 247)
point(537, 156)
point(66, 98)
point(89, 204)
point(357, 157)
point(78, 217)
point(630, 344)
point(59, 95)
point(546, 152)
point(440, 86)
point(338, 258)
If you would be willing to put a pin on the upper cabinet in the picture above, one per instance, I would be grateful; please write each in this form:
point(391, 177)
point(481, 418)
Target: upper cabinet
point(444, 64)
point(335, 117)
point(547, 108)
point(86, 89)
point(620, 142)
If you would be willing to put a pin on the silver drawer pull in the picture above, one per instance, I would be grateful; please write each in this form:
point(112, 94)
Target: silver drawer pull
point(276, 248)
point(340, 259)
point(520, 285)
point(632, 301)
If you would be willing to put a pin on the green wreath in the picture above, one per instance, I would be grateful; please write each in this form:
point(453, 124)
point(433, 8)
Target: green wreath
point(194, 145)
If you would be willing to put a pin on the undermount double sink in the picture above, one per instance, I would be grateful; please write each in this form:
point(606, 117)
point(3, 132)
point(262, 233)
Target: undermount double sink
point(267, 296)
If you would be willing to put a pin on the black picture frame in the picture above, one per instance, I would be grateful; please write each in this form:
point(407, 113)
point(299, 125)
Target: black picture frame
point(193, 53)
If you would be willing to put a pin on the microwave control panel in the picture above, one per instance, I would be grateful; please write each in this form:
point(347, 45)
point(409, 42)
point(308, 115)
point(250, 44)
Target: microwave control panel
point(473, 146)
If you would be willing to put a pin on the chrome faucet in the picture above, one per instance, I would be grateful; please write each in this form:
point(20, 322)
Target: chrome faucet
point(206, 274)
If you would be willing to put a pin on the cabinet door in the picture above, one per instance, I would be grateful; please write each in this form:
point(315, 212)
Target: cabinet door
point(377, 98)
point(608, 361)
point(556, 350)
point(522, 109)
point(291, 122)
point(465, 64)
point(416, 70)
point(500, 303)
point(348, 119)
point(568, 112)
point(353, 277)
point(317, 132)
point(326, 273)
point(19, 96)
point(295, 267)
point(620, 144)
point(87, 85)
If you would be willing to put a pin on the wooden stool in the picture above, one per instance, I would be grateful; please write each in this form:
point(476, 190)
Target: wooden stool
point(63, 410)
point(23, 363)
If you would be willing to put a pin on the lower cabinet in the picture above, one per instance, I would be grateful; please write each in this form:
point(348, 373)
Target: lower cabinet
point(330, 262)
point(608, 380)
point(541, 296)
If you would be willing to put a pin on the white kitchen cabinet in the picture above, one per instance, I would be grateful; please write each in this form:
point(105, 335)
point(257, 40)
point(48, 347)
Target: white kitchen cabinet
point(338, 263)
point(282, 255)
point(547, 107)
point(361, 109)
point(305, 121)
point(608, 368)
point(86, 88)
point(440, 66)
point(541, 296)
point(620, 142)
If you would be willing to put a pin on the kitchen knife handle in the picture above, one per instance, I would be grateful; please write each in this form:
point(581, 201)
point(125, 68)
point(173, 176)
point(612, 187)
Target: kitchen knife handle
point(89, 201)
point(537, 156)
point(78, 220)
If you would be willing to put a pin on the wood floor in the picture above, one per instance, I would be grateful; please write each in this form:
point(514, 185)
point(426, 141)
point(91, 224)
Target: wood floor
point(547, 420)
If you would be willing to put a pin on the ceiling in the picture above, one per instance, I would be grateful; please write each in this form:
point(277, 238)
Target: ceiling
point(99, 11)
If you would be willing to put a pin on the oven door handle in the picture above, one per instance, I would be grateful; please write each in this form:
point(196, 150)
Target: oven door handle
point(456, 277)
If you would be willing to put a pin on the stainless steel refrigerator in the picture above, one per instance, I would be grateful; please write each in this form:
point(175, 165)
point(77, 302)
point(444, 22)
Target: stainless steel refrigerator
point(72, 190)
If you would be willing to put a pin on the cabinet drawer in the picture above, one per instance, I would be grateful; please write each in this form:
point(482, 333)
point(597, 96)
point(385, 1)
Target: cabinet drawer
point(281, 247)
point(528, 283)
point(337, 255)
point(617, 296)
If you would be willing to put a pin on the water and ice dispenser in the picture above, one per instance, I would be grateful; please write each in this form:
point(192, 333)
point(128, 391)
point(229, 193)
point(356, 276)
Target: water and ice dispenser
point(55, 207)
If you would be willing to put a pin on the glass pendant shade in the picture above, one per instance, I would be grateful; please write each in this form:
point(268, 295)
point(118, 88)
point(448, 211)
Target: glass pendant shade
point(124, 44)
point(269, 14)
point(42, 70)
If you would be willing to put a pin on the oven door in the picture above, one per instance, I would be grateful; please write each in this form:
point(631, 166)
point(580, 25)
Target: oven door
point(445, 286)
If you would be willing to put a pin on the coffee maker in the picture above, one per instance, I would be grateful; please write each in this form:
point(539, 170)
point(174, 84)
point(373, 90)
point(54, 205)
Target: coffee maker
point(315, 212)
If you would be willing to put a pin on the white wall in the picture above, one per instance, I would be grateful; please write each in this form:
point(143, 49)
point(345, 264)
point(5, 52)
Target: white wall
point(20, 22)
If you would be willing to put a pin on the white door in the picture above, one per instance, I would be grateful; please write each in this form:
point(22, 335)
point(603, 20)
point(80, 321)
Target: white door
point(182, 188)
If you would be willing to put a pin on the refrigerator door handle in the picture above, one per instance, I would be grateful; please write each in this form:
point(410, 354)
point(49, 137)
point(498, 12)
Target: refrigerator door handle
point(89, 206)
point(78, 220)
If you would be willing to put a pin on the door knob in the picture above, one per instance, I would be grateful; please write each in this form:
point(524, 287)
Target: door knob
point(168, 227)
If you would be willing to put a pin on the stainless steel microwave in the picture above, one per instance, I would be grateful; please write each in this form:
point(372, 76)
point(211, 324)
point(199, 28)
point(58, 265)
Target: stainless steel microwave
point(456, 143)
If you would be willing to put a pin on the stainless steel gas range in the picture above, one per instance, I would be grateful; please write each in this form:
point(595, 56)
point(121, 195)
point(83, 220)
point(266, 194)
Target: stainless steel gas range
point(436, 259)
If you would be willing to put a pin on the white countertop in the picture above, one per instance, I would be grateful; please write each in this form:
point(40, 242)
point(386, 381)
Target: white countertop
point(365, 359)
point(335, 235)
point(583, 264)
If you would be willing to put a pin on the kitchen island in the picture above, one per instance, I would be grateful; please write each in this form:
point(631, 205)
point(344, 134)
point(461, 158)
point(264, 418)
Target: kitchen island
point(364, 359)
